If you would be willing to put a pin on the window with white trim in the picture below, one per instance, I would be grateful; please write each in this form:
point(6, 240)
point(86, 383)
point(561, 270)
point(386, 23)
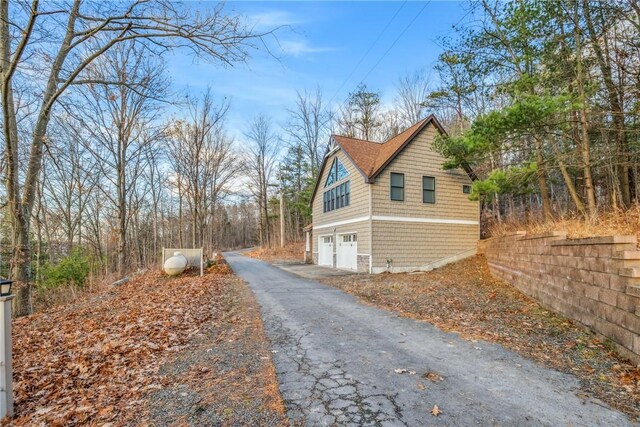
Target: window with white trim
point(349, 238)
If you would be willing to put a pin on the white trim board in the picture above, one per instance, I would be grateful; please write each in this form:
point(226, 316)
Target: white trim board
point(398, 219)
point(345, 222)
point(424, 220)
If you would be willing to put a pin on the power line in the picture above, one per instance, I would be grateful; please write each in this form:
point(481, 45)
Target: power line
point(367, 52)
point(406, 28)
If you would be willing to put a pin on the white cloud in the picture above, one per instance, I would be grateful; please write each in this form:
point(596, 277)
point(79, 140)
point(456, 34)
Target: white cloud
point(301, 47)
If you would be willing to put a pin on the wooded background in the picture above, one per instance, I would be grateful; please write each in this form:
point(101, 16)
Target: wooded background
point(540, 100)
point(544, 97)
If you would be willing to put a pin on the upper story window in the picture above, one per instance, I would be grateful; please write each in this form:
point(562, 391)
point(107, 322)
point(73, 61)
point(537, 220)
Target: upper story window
point(466, 189)
point(336, 173)
point(397, 186)
point(337, 197)
point(428, 189)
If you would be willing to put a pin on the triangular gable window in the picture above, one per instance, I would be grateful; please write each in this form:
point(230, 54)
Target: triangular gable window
point(336, 173)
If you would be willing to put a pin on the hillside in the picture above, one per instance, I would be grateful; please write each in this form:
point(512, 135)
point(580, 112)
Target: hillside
point(130, 354)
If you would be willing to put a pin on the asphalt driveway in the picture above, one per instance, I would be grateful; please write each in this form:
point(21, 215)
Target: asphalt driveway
point(341, 362)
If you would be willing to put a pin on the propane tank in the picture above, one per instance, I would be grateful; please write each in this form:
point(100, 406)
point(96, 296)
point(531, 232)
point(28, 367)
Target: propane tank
point(176, 264)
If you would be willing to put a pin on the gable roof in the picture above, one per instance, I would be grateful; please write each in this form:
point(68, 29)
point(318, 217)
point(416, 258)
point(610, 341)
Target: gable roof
point(370, 158)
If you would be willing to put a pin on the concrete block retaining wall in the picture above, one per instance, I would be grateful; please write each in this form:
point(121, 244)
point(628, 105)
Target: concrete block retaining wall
point(595, 281)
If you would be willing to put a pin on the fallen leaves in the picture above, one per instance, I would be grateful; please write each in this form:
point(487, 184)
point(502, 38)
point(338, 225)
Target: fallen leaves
point(432, 376)
point(292, 251)
point(93, 359)
point(435, 411)
point(225, 371)
point(463, 297)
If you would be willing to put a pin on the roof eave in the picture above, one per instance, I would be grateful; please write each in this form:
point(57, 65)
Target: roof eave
point(430, 119)
point(337, 148)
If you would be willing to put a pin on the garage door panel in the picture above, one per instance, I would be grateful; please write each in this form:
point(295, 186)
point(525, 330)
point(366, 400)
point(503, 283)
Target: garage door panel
point(325, 251)
point(347, 251)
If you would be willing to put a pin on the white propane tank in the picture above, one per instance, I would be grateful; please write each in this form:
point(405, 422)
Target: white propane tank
point(176, 264)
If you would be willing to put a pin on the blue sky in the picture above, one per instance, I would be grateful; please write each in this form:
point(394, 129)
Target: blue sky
point(320, 46)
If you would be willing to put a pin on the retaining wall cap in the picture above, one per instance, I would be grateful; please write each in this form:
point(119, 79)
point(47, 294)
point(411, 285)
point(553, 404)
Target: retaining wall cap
point(630, 272)
point(515, 234)
point(559, 234)
point(606, 240)
point(627, 255)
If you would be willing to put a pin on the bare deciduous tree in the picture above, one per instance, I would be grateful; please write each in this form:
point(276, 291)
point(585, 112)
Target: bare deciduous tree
point(308, 126)
point(260, 161)
point(50, 46)
point(119, 126)
point(201, 155)
point(412, 92)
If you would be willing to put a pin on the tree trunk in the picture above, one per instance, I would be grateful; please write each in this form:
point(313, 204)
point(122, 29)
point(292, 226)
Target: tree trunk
point(21, 265)
point(542, 180)
point(569, 183)
point(615, 105)
point(586, 166)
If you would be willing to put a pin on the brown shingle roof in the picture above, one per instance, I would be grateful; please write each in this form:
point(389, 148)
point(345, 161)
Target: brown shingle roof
point(362, 153)
point(372, 157)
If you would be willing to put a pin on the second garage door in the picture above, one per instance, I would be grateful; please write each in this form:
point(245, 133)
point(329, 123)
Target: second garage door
point(347, 251)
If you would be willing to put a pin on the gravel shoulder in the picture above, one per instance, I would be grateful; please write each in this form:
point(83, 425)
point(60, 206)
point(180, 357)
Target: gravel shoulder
point(225, 375)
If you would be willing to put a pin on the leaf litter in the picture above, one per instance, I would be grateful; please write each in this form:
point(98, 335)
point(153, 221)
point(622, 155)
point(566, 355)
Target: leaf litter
point(464, 298)
point(95, 360)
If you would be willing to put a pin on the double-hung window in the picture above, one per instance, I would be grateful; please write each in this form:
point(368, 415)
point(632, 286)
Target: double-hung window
point(397, 186)
point(428, 189)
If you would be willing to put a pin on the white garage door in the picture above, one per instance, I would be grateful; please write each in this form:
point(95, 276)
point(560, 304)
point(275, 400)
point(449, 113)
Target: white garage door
point(325, 250)
point(347, 251)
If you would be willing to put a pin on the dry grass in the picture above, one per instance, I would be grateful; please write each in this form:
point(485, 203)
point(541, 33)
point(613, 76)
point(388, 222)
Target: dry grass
point(608, 223)
point(47, 298)
point(465, 298)
point(292, 252)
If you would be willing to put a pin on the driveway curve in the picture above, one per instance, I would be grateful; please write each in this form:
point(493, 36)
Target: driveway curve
point(340, 362)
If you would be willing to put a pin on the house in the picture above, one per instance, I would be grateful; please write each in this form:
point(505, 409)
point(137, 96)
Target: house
point(390, 206)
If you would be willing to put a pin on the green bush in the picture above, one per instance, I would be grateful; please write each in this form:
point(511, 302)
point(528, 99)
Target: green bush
point(72, 270)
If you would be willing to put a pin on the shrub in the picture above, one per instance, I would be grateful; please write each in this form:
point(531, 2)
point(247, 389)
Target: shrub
point(71, 270)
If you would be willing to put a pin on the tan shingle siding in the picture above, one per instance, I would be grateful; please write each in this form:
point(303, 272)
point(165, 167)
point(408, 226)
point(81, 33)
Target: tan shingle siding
point(415, 161)
point(358, 207)
point(418, 244)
